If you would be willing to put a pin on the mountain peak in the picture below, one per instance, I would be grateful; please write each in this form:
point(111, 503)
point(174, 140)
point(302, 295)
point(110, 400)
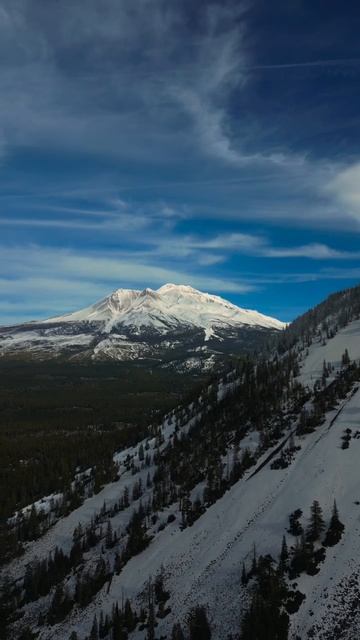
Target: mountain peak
point(169, 307)
point(130, 324)
point(177, 287)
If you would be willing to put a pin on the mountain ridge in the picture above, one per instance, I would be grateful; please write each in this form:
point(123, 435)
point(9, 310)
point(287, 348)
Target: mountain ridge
point(181, 298)
point(131, 324)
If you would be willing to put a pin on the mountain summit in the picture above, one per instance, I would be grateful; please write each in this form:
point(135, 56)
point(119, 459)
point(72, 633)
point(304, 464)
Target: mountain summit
point(174, 323)
point(167, 308)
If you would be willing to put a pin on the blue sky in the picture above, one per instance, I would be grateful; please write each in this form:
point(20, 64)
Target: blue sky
point(211, 143)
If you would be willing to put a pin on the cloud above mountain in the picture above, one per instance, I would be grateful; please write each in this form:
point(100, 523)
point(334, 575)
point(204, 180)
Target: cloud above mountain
point(204, 141)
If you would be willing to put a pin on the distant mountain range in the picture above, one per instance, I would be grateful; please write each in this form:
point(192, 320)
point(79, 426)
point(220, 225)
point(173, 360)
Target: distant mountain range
point(175, 324)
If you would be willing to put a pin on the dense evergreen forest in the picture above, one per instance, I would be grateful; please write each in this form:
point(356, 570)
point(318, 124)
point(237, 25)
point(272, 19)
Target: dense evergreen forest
point(57, 418)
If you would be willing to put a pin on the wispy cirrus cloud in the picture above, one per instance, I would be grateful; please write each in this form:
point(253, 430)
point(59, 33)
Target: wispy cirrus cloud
point(154, 234)
point(46, 282)
point(80, 82)
point(76, 279)
point(256, 245)
point(181, 141)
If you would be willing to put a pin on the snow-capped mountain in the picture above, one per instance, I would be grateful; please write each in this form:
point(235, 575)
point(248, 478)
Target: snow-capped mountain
point(132, 324)
point(168, 308)
point(206, 501)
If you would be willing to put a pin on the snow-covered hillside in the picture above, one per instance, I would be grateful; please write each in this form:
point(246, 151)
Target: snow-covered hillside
point(131, 324)
point(202, 562)
point(331, 352)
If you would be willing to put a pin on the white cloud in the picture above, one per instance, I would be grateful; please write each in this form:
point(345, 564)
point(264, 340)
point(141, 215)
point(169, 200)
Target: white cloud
point(345, 188)
point(256, 245)
point(314, 251)
point(48, 281)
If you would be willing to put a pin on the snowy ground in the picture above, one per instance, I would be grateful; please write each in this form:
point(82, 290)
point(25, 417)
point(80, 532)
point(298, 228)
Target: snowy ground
point(346, 338)
point(203, 562)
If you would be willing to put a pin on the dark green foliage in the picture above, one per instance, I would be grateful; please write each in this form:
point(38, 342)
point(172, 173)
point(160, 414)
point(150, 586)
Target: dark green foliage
point(266, 619)
point(272, 599)
point(150, 635)
point(244, 577)
point(317, 524)
point(284, 556)
point(118, 624)
point(295, 527)
point(138, 539)
point(94, 633)
point(115, 626)
point(345, 358)
point(27, 634)
point(302, 558)
point(254, 563)
point(42, 575)
point(346, 437)
point(88, 584)
point(129, 616)
point(293, 601)
point(161, 595)
point(109, 538)
point(177, 632)
point(57, 417)
point(199, 628)
point(61, 605)
point(335, 530)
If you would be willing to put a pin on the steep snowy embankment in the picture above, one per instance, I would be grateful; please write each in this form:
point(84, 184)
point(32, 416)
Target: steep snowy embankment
point(202, 563)
point(347, 338)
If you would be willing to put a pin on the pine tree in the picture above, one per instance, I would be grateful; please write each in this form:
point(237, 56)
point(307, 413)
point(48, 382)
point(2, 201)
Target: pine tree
point(284, 556)
point(244, 578)
point(317, 525)
point(94, 633)
point(138, 538)
point(56, 604)
point(335, 529)
point(109, 535)
point(129, 617)
point(325, 373)
point(29, 584)
point(254, 562)
point(151, 615)
point(117, 563)
point(199, 628)
point(101, 625)
point(177, 632)
point(161, 595)
point(126, 497)
point(33, 524)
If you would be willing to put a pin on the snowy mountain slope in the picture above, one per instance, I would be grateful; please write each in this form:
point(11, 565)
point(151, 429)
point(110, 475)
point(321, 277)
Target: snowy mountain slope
point(346, 338)
point(169, 306)
point(202, 563)
point(132, 324)
point(313, 431)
